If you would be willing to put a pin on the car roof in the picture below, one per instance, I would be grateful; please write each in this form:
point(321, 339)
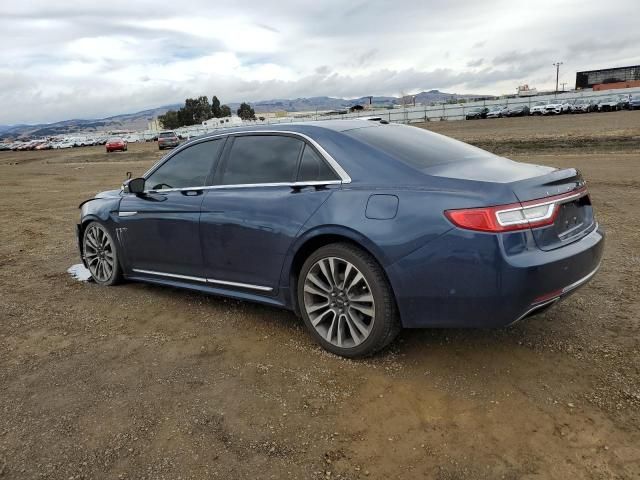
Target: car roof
point(299, 127)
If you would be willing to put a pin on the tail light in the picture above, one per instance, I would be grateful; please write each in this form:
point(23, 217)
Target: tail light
point(513, 216)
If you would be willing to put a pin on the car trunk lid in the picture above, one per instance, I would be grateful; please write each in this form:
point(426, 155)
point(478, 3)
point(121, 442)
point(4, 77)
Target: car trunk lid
point(566, 189)
point(571, 217)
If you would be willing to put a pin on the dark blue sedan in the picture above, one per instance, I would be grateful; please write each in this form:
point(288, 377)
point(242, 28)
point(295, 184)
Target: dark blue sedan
point(361, 228)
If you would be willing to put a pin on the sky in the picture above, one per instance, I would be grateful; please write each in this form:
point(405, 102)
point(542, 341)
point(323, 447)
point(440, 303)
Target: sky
point(90, 59)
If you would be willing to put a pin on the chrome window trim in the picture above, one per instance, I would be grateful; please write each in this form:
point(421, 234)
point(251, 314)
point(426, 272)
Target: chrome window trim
point(249, 185)
point(344, 176)
point(203, 280)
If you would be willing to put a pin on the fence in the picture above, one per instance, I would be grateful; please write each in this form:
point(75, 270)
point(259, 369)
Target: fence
point(424, 113)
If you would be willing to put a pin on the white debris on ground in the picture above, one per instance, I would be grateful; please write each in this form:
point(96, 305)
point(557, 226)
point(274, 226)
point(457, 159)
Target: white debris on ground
point(79, 272)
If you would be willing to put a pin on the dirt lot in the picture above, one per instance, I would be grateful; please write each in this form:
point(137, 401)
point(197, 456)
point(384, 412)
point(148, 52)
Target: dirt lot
point(138, 381)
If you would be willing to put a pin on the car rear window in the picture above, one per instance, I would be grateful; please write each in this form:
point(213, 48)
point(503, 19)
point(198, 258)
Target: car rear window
point(167, 135)
point(416, 146)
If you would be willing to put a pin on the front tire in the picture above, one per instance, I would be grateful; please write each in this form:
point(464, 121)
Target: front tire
point(100, 255)
point(346, 301)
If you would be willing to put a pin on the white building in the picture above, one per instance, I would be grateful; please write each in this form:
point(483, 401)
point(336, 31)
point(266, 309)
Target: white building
point(232, 121)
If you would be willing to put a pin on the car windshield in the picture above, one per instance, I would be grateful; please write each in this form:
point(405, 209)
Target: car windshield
point(540, 104)
point(496, 108)
point(166, 135)
point(416, 146)
point(115, 139)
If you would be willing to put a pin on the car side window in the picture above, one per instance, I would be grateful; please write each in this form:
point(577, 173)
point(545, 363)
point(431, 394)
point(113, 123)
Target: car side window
point(261, 159)
point(188, 168)
point(313, 167)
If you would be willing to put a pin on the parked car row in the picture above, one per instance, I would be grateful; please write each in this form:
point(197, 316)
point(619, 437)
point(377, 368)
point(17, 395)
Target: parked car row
point(117, 142)
point(53, 143)
point(557, 107)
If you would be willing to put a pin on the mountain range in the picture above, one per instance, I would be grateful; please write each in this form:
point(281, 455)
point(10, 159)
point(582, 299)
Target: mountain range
point(139, 120)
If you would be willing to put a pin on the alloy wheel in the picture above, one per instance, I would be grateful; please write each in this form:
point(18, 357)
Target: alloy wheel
point(99, 253)
point(339, 302)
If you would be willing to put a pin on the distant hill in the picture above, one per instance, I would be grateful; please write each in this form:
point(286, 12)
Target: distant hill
point(312, 103)
point(129, 121)
point(139, 120)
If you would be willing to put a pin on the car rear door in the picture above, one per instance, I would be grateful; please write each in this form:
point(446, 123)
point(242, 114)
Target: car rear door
point(160, 228)
point(266, 187)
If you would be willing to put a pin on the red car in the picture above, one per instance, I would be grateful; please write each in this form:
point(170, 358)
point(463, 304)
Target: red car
point(114, 144)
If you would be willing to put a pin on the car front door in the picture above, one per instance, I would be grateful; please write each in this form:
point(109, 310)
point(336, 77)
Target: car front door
point(160, 228)
point(266, 187)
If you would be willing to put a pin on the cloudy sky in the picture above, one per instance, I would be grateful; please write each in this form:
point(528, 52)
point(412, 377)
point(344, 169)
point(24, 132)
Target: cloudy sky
point(89, 59)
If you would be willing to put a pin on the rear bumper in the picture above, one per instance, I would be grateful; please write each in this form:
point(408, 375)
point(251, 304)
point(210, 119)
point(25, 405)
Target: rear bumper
point(562, 293)
point(467, 279)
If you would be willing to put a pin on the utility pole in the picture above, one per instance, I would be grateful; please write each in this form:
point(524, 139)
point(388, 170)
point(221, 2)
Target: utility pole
point(557, 65)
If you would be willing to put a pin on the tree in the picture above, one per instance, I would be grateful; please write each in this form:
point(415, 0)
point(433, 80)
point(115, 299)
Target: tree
point(245, 112)
point(216, 111)
point(196, 110)
point(225, 111)
point(169, 120)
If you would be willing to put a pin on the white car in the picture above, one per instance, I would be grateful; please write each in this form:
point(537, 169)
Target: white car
point(538, 109)
point(557, 107)
point(64, 144)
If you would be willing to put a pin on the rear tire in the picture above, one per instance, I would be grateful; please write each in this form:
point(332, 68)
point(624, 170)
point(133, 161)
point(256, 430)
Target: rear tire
point(346, 301)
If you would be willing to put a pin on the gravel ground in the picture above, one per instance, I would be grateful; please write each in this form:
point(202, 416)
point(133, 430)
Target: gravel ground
point(139, 381)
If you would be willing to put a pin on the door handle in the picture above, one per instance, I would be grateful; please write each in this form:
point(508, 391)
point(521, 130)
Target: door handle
point(191, 193)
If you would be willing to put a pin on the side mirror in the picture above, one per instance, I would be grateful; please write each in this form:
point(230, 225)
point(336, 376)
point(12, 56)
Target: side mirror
point(135, 185)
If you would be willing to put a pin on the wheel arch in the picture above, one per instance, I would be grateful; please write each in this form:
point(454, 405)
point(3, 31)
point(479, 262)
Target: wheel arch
point(318, 238)
point(99, 210)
